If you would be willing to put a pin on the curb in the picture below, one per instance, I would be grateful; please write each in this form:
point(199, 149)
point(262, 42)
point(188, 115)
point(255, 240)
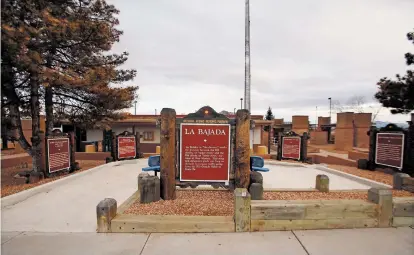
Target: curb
point(355, 178)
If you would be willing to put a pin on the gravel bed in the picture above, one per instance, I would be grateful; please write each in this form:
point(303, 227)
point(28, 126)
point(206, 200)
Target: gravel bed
point(292, 195)
point(10, 186)
point(190, 203)
point(372, 175)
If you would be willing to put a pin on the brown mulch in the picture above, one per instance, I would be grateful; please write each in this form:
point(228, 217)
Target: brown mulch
point(11, 185)
point(292, 195)
point(189, 203)
point(377, 175)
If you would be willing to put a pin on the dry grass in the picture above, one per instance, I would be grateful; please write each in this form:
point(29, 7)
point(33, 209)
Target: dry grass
point(372, 175)
point(189, 203)
point(292, 195)
point(11, 185)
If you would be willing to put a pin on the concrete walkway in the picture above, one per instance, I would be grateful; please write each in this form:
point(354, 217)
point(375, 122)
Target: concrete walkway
point(386, 241)
point(69, 204)
point(59, 218)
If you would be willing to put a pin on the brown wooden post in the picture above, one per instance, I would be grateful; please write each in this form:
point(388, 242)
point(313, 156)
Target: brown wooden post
point(167, 155)
point(114, 147)
point(242, 149)
point(137, 145)
point(72, 151)
point(43, 154)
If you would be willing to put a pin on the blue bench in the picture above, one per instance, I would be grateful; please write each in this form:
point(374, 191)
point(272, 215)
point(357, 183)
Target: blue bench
point(153, 164)
point(257, 164)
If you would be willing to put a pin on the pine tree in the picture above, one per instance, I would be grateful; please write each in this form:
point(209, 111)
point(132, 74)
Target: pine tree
point(398, 94)
point(55, 55)
point(268, 116)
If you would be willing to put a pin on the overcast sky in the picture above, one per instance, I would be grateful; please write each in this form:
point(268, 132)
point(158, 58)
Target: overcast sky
point(190, 53)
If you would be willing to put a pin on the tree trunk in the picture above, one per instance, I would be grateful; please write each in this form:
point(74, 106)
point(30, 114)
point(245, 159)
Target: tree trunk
point(35, 113)
point(15, 121)
point(49, 110)
point(4, 139)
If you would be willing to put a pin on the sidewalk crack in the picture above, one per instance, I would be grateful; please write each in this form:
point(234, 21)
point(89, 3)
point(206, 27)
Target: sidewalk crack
point(303, 246)
point(143, 247)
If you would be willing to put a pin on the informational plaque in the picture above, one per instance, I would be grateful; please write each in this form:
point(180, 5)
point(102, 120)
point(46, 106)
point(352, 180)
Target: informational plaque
point(58, 154)
point(291, 147)
point(204, 152)
point(126, 147)
point(390, 149)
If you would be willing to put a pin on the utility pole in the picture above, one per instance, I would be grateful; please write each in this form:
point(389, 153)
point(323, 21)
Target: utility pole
point(316, 117)
point(241, 103)
point(135, 102)
point(330, 108)
point(247, 59)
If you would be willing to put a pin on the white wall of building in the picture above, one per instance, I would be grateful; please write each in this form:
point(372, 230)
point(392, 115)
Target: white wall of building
point(257, 135)
point(97, 134)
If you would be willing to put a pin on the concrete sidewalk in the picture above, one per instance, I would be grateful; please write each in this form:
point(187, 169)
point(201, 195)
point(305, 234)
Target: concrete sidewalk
point(385, 241)
point(69, 204)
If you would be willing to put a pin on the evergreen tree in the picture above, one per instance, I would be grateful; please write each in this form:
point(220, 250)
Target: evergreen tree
point(55, 56)
point(268, 116)
point(398, 94)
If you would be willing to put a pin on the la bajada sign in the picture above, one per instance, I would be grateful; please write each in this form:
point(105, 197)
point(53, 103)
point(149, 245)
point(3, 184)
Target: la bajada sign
point(204, 152)
point(58, 154)
point(126, 147)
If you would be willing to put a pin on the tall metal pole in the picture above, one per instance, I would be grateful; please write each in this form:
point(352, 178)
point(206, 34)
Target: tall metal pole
point(241, 103)
point(330, 108)
point(247, 59)
point(135, 107)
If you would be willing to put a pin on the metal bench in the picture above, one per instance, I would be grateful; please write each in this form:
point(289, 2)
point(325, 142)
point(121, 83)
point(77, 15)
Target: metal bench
point(153, 164)
point(257, 164)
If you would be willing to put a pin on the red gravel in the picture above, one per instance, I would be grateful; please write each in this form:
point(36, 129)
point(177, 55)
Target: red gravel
point(201, 203)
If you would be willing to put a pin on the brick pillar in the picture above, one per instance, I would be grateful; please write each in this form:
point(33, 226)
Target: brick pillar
point(362, 122)
point(344, 132)
point(300, 124)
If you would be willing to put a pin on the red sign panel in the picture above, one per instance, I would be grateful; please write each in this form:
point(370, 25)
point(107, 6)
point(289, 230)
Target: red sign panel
point(291, 147)
point(204, 152)
point(126, 147)
point(58, 154)
point(390, 150)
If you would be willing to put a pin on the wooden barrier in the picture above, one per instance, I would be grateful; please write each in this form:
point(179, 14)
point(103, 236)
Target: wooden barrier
point(403, 211)
point(403, 181)
point(271, 215)
point(382, 197)
point(242, 210)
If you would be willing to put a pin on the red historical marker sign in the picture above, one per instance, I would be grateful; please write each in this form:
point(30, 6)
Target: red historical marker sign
point(58, 152)
point(390, 150)
point(204, 152)
point(291, 147)
point(126, 147)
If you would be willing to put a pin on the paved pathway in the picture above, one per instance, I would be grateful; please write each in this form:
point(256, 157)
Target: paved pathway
point(59, 218)
point(69, 204)
point(387, 241)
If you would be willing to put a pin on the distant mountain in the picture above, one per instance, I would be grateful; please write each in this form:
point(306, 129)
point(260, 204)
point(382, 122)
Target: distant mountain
point(381, 124)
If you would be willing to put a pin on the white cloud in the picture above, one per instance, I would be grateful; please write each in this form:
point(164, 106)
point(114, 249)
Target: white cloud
point(191, 53)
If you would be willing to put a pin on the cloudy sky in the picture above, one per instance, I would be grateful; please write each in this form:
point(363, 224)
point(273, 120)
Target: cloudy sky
point(190, 53)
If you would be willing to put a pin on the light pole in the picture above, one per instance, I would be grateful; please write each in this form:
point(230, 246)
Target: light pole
point(316, 119)
point(330, 107)
point(241, 103)
point(135, 102)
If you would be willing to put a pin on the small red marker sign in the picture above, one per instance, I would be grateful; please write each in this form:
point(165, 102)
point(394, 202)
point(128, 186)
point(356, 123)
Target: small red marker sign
point(291, 147)
point(390, 150)
point(204, 152)
point(126, 147)
point(58, 154)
